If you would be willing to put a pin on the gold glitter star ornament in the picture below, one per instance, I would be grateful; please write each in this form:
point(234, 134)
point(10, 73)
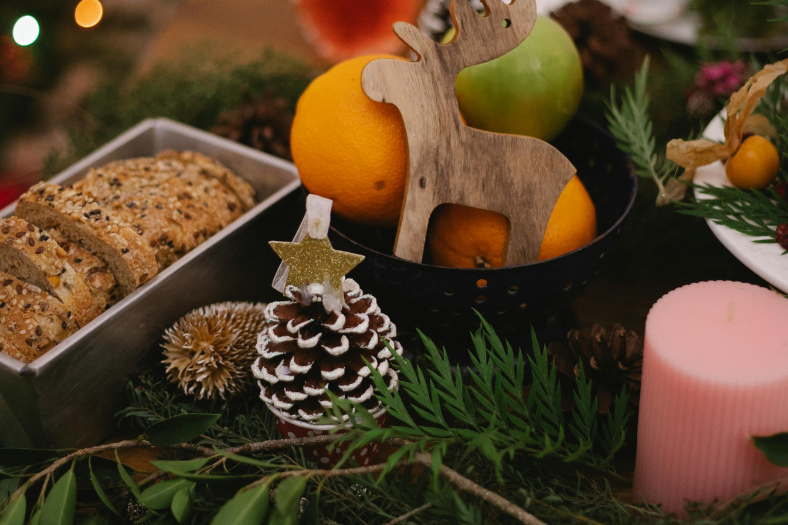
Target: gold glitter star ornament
point(315, 261)
point(310, 260)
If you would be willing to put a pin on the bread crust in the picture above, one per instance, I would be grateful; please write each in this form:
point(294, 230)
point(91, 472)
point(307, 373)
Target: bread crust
point(24, 243)
point(84, 222)
point(32, 322)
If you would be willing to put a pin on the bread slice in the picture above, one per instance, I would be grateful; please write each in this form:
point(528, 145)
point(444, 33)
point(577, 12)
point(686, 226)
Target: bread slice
point(31, 321)
point(94, 271)
point(212, 168)
point(31, 255)
point(173, 208)
point(84, 222)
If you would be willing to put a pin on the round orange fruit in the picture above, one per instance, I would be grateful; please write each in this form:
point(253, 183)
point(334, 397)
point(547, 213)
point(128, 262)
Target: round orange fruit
point(349, 148)
point(754, 165)
point(462, 237)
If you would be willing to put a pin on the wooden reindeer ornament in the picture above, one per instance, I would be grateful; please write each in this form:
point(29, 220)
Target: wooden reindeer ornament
point(517, 176)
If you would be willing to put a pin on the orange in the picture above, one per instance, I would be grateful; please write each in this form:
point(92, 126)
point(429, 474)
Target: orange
point(754, 165)
point(462, 237)
point(349, 148)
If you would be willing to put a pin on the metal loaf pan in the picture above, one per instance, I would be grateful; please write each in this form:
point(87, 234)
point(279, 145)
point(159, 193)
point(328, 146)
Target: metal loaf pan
point(68, 397)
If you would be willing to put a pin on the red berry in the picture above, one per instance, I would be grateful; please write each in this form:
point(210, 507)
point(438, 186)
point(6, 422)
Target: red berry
point(781, 188)
point(782, 235)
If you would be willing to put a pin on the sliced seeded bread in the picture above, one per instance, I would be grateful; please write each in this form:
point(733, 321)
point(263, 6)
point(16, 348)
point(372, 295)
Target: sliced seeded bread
point(173, 208)
point(214, 169)
point(31, 321)
point(84, 222)
point(94, 271)
point(31, 255)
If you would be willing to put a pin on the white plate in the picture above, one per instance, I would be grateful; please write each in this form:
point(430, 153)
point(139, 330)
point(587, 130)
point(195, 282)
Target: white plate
point(764, 259)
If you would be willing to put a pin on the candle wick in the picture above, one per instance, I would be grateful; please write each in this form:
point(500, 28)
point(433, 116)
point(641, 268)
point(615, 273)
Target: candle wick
point(730, 312)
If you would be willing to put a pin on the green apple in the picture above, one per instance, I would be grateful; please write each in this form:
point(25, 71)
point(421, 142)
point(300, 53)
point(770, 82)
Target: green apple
point(533, 90)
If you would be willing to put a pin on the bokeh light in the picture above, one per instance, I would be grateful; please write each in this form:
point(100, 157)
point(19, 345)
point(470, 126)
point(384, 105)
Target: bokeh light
point(88, 13)
point(26, 30)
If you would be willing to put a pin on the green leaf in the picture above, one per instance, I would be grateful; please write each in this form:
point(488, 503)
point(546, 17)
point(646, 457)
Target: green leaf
point(774, 447)
point(180, 429)
point(288, 493)
point(246, 508)
point(14, 513)
point(160, 495)
point(61, 503)
point(135, 490)
point(182, 504)
point(99, 489)
point(181, 466)
point(288, 499)
point(7, 488)
point(35, 519)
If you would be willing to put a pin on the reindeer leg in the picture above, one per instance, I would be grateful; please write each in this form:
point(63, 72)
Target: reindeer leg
point(524, 244)
point(412, 232)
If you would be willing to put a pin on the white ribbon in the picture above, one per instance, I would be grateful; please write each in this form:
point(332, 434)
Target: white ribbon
point(316, 221)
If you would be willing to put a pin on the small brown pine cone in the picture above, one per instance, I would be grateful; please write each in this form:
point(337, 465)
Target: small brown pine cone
point(607, 47)
point(263, 124)
point(611, 359)
point(306, 349)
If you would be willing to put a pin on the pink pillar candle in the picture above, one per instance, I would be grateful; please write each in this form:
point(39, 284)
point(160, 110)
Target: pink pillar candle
point(715, 372)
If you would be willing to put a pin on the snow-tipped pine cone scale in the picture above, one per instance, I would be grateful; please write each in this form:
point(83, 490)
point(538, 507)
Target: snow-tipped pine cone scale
point(306, 349)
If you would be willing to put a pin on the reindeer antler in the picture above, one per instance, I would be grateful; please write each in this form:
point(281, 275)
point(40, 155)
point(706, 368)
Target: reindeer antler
point(414, 38)
point(503, 28)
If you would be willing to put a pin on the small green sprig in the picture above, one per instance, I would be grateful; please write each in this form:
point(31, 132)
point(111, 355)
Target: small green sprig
point(628, 121)
point(753, 213)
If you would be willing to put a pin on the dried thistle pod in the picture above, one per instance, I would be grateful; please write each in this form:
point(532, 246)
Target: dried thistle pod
point(209, 351)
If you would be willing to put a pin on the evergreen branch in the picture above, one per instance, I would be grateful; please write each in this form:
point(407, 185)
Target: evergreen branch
point(490, 415)
point(544, 400)
point(615, 433)
point(584, 426)
point(753, 213)
point(629, 123)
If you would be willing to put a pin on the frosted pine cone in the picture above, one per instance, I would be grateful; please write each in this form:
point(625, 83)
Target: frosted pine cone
point(306, 349)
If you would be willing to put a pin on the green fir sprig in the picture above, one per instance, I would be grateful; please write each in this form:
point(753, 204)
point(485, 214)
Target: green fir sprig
point(492, 414)
point(628, 121)
point(751, 212)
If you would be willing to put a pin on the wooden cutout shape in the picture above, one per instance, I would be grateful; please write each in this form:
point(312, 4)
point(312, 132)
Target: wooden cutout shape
point(517, 176)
